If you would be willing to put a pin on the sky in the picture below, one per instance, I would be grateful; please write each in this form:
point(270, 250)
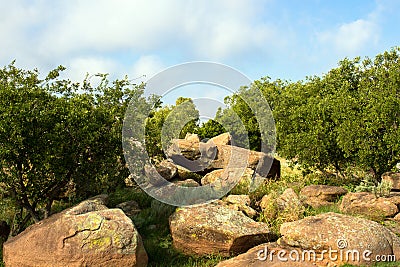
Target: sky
point(280, 39)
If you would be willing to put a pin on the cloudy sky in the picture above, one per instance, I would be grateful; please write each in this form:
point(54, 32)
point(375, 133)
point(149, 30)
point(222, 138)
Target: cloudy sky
point(281, 39)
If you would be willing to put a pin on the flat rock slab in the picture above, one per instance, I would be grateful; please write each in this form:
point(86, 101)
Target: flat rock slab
point(321, 195)
point(367, 204)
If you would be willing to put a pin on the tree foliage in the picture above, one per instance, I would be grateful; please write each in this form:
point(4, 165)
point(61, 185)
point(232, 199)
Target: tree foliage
point(169, 122)
point(55, 133)
point(347, 117)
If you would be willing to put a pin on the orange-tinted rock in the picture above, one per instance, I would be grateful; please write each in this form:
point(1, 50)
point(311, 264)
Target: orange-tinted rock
point(88, 234)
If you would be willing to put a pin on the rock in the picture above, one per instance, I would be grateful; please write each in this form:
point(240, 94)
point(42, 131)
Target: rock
point(289, 204)
point(217, 153)
point(130, 208)
point(215, 229)
point(367, 204)
point(241, 203)
point(192, 138)
point(265, 255)
point(195, 157)
point(321, 195)
point(228, 174)
point(333, 231)
point(88, 234)
point(167, 169)
point(189, 149)
point(242, 200)
point(184, 174)
point(222, 139)
point(4, 231)
point(393, 178)
point(255, 160)
point(187, 183)
point(222, 177)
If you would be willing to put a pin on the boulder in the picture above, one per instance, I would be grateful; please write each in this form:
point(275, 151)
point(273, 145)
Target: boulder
point(242, 200)
point(333, 231)
point(241, 203)
point(184, 174)
point(289, 204)
point(321, 195)
point(189, 149)
point(255, 160)
point(195, 157)
point(393, 178)
point(222, 139)
point(222, 177)
point(88, 234)
point(130, 208)
point(217, 153)
point(192, 138)
point(167, 169)
point(266, 255)
point(215, 229)
point(367, 204)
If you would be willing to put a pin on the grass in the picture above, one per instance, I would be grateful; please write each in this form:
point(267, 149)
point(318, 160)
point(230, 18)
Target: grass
point(153, 225)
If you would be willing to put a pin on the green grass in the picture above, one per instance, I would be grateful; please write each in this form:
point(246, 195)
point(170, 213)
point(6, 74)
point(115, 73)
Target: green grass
point(152, 224)
point(153, 220)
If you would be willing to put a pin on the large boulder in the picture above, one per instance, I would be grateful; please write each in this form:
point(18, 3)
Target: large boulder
point(321, 195)
point(215, 229)
point(88, 234)
point(222, 139)
point(367, 204)
point(217, 153)
point(393, 178)
point(342, 233)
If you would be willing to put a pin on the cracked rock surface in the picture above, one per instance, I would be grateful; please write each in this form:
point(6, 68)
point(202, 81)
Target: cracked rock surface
point(88, 234)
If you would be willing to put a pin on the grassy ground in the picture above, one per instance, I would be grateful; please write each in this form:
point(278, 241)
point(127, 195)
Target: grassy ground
point(152, 221)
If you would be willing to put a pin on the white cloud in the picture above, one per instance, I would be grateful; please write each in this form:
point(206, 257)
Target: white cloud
point(208, 29)
point(146, 67)
point(220, 29)
point(352, 37)
point(78, 68)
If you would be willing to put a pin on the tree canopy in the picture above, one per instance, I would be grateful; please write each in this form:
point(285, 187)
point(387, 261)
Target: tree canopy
point(347, 117)
point(55, 133)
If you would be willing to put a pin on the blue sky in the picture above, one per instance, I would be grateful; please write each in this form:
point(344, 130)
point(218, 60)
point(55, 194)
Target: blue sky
point(281, 39)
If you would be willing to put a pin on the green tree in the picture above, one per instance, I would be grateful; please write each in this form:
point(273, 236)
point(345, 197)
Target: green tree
point(370, 112)
point(169, 122)
point(54, 132)
point(210, 129)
